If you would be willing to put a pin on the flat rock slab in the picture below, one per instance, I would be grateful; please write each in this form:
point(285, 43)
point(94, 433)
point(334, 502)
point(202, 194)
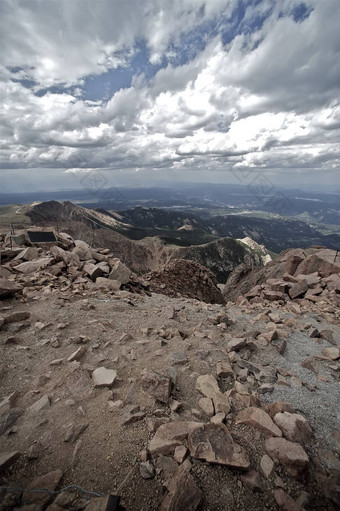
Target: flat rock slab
point(258, 419)
point(213, 443)
point(169, 436)
point(103, 377)
point(290, 454)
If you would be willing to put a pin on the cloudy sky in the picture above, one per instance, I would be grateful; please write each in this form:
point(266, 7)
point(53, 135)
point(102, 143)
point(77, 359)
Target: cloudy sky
point(150, 91)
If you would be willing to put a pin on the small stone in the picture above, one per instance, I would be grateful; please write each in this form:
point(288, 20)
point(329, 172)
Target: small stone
point(34, 452)
point(267, 465)
point(331, 353)
point(218, 418)
point(207, 406)
point(224, 369)
point(169, 436)
point(179, 357)
point(180, 453)
point(207, 385)
point(147, 470)
point(76, 355)
point(74, 431)
point(236, 344)
point(115, 405)
point(279, 406)
point(131, 414)
point(157, 385)
point(103, 377)
point(252, 480)
point(285, 502)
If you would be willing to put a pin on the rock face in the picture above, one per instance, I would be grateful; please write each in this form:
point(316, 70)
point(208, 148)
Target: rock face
point(185, 278)
point(213, 443)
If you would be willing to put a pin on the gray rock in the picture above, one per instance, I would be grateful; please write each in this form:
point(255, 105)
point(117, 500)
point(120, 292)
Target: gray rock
point(147, 470)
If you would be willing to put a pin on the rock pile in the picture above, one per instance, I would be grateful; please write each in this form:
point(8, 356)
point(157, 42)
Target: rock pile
point(185, 278)
point(312, 274)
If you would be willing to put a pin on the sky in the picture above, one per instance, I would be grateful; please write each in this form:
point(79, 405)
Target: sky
point(137, 93)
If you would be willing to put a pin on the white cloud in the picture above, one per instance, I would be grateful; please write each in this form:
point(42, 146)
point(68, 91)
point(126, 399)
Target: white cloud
point(270, 98)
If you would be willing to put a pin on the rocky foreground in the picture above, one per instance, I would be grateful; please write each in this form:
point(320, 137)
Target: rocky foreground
point(169, 402)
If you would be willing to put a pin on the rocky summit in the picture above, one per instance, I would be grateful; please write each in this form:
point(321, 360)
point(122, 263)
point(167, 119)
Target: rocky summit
point(167, 389)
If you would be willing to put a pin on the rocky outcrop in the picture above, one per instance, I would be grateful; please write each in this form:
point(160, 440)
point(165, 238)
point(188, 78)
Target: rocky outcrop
point(293, 274)
point(185, 278)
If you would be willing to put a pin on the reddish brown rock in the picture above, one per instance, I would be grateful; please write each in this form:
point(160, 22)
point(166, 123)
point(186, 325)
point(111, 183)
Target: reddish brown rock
point(259, 419)
point(157, 385)
point(267, 465)
point(224, 369)
point(184, 495)
point(279, 406)
point(252, 480)
point(291, 455)
point(9, 288)
point(214, 444)
point(285, 502)
point(299, 289)
point(169, 436)
point(294, 427)
point(49, 481)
